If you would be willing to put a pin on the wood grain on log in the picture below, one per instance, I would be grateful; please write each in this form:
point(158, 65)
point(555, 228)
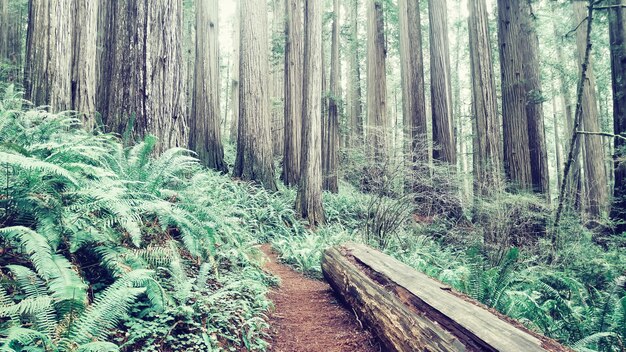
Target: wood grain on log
point(411, 312)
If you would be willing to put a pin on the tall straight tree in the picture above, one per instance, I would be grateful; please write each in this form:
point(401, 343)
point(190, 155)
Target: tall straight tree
point(4, 29)
point(376, 81)
point(517, 165)
point(534, 102)
point(294, 52)
point(488, 156)
point(144, 68)
point(617, 34)
point(412, 67)
point(84, 74)
point(331, 138)
point(354, 100)
point(309, 199)
point(48, 72)
point(596, 183)
point(440, 85)
point(205, 123)
point(234, 82)
point(254, 161)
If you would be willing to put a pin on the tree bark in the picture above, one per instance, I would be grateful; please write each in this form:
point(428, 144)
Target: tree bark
point(294, 52)
point(205, 123)
point(517, 163)
point(48, 72)
point(254, 160)
point(617, 34)
point(84, 74)
point(409, 311)
point(330, 164)
point(376, 83)
point(534, 102)
point(309, 198)
point(145, 67)
point(277, 79)
point(234, 83)
point(440, 87)
point(488, 154)
point(412, 80)
point(355, 110)
point(593, 161)
point(4, 29)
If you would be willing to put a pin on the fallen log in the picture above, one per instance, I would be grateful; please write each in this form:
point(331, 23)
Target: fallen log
point(409, 311)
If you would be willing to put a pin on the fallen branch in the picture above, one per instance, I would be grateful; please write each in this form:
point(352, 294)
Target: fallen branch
point(604, 134)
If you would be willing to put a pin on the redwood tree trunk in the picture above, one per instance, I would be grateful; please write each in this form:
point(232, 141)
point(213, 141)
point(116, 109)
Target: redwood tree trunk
point(534, 102)
point(412, 69)
point(84, 74)
point(234, 83)
point(254, 160)
point(205, 124)
point(309, 199)
point(376, 82)
point(145, 68)
point(48, 73)
point(596, 183)
point(440, 86)
point(330, 170)
point(515, 121)
point(4, 29)
point(294, 52)
point(617, 32)
point(354, 100)
point(488, 155)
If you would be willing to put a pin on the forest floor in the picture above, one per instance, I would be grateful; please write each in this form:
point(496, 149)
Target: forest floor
point(308, 318)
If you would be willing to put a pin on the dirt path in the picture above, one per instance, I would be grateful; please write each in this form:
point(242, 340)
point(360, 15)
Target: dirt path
point(307, 317)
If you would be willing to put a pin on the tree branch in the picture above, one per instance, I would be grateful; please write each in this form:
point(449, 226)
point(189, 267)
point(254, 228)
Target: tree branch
point(604, 134)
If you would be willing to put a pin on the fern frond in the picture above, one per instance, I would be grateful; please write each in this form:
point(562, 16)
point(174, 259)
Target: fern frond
point(24, 337)
point(98, 347)
point(32, 164)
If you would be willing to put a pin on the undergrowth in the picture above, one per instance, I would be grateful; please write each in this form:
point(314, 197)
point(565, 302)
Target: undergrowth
point(108, 248)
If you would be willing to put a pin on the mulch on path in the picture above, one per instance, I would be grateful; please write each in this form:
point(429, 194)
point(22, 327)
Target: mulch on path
point(308, 318)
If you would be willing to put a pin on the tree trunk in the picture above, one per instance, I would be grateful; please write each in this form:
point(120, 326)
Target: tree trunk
point(412, 79)
point(440, 86)
point(534, 102)
point(593, 161)
point(330, 171)
point(294, 52)
point(84, 78)
point(573, 190)
point(4, 29)
point(255, 161)
point(515, 121)
point(409, 311)
point(48, 72)
point(355, 110)
point(617, 32)
point(205, 123)
point(145, 64)
point(234, 83)
point(557, 136)
point(277, 80)
point(309, 199)
point(376, 83)
point(488, 155)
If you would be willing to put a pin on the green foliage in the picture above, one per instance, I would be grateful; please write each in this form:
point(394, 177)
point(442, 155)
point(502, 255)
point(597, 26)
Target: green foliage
point(99, 236)
point(578, 297)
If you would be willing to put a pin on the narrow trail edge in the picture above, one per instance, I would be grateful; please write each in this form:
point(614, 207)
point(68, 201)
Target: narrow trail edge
point(307, 316)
